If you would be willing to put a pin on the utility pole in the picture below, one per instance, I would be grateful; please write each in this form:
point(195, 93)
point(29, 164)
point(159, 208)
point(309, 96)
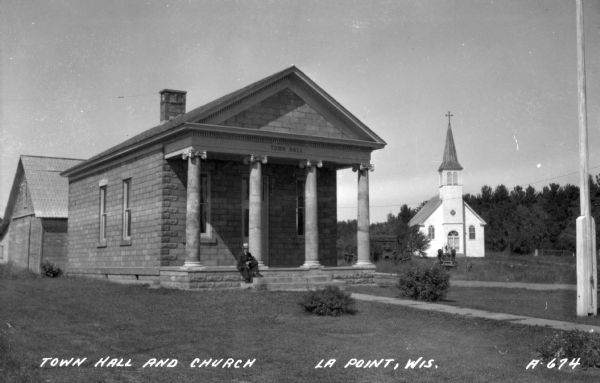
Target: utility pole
point(587, 298)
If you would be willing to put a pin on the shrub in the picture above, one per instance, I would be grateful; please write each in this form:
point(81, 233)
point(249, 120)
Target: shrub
point(328, 301)
point(50, 270)
point(572, 344)
point(424, 283)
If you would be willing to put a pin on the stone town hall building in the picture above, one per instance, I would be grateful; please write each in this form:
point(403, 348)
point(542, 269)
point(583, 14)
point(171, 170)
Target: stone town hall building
point(257, 165)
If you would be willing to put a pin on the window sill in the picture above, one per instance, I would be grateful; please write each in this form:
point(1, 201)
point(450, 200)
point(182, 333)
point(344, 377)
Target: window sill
point(125, 242)
point(101, 244)
point(208, 240)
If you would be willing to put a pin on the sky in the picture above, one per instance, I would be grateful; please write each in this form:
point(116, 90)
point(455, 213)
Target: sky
point(79, 76)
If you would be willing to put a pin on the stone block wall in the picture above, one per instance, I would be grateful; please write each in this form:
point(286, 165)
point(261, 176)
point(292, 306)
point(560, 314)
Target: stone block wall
point(158, 205)
point(327, 210)
point(223, 241)
point(172, 229)
point(352, 275)
point(199, 280)
point(85, 252)
point(286, 248)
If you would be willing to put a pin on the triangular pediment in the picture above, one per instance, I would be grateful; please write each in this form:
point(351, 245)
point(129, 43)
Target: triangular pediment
point(287, 102)
point(287, 112)
point(303, 109)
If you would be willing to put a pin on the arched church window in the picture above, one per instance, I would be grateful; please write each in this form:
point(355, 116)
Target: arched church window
point(431, 232)
point(471, 232)
point(449, 178)
point(453, 240)
point(454, 178)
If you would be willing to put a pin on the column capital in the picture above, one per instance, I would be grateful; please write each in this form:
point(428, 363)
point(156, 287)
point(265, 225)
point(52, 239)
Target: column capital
point(192, 153)
point(363, 167)
point(308, 163)
point(256, 158)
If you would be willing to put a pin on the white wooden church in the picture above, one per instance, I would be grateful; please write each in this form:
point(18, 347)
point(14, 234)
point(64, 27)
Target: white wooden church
point(446, 219)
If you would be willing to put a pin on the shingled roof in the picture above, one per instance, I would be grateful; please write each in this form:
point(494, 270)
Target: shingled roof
point(424, 212)
point(48, 190)
point(450, 159)
point(205, 112)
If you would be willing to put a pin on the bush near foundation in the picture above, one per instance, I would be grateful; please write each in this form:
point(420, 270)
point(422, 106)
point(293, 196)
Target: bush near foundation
point(423, 282)
point(572, 345)
point(328, 301)
point(49, 269)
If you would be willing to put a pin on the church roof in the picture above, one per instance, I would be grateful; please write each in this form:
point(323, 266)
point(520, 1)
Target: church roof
point(205, 112)
point(48, 190)
point(475, 214)
point(450, 159)
point(427, 210)
point(430, 207)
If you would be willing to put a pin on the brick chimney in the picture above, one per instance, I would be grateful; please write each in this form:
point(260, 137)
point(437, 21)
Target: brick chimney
point(172, 104)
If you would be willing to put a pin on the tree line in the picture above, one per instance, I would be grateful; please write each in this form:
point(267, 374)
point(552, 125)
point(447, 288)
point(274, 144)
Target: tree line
point(517, 221)
point(524, 219)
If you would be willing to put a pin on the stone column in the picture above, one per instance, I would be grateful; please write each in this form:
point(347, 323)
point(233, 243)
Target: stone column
point(255, 185)
point(192, 222)
point(311, 221)
point(363, 239)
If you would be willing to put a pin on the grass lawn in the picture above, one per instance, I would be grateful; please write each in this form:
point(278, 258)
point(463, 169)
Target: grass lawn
point(64, 318)
point(555, 304)
point(503, 268)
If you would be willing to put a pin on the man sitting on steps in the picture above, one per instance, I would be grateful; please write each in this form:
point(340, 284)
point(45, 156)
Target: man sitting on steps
point(248, 265)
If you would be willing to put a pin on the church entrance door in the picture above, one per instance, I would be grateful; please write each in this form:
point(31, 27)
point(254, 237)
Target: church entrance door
point(453, 240)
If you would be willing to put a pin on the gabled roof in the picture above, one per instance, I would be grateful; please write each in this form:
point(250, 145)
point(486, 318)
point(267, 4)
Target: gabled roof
point(427, 210)
point(430, 207)
point(203, 113)
point(48, 190)
point(475, 214)
point(450, 159)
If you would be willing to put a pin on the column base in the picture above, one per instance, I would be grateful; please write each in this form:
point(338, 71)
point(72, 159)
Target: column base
point(261, 265)
point(364, 265)
point(192, 265)
point(311, 265)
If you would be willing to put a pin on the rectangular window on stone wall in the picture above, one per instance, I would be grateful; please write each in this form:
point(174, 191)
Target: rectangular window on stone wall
point(102, 234)
point(126, 209)
point(204, 205)
point(300, 207)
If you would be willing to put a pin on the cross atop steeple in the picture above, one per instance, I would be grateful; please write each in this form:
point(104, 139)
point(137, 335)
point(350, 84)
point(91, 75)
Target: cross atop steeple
point(449, 115)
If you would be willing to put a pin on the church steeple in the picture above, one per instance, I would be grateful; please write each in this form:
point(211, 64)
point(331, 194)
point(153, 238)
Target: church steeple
point(450, 159)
